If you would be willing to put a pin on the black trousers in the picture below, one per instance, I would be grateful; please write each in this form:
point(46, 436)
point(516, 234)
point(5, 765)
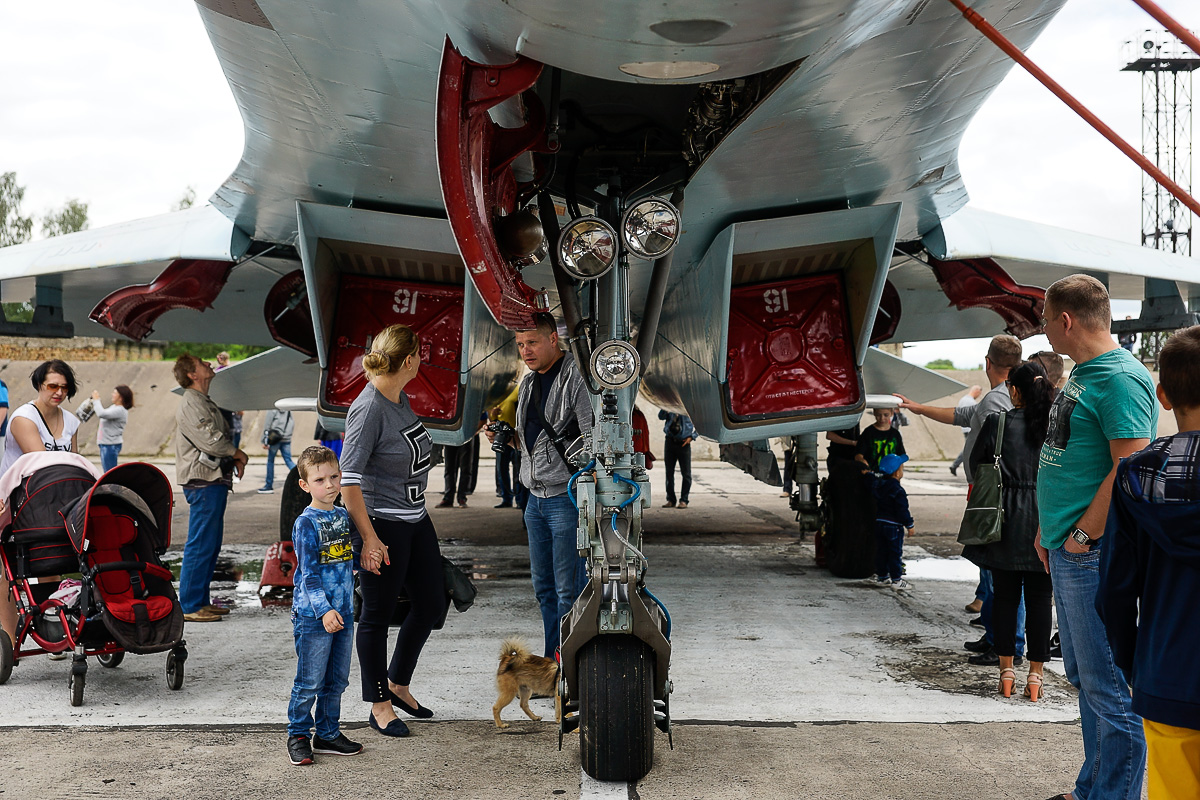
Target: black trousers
point(458, 471)
point(416, 567)
point(674, 453)
point(1039, 598)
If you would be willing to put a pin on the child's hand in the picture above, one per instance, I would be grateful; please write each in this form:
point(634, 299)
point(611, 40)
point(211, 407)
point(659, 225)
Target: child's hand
point(332, 621)
point(910, 530)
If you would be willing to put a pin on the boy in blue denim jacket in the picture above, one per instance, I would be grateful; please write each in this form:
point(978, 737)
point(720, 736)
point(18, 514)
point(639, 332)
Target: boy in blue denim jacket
point(322, 612)
point(892, 521)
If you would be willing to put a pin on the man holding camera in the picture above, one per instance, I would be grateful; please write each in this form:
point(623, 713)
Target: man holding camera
point(553, 410)
point(205, 462)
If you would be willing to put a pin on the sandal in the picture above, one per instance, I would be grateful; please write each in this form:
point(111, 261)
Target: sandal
point(1007, 678)
point(1033, 686)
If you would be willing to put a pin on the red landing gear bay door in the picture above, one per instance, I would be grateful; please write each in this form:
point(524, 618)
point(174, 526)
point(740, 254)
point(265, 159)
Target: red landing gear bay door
point(365, 307)
point(790, 349)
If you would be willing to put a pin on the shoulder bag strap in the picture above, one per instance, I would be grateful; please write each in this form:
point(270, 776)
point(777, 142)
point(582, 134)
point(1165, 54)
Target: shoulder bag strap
point(536, 396)
point(1000, 436)
point(46, 425)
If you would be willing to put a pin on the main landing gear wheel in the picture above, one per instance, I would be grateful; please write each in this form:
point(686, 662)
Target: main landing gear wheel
point(175, 661)
point(77, 680)
point(111, 660)
point(6, 657)
point(616, 707)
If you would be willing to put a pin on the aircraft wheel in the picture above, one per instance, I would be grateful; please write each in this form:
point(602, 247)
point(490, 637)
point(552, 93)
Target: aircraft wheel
point(616, 708)
point(6, 657)
point(111, 660)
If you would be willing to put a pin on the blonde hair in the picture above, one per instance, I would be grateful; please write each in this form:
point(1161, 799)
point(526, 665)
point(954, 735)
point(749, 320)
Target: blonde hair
point(389, 349)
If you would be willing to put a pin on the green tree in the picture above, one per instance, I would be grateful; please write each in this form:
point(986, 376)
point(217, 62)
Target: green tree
point(14, 228)
point(237, 352)
point(72, 217)
point(187, 201)
point(940, 363)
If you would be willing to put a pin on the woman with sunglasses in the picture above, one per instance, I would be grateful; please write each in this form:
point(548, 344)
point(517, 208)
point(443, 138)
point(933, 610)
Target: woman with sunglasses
point(39, 425)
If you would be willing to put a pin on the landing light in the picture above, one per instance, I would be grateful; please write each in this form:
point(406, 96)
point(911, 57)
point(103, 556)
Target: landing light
point(650, 228)
point(615, 364)
point(587, 248)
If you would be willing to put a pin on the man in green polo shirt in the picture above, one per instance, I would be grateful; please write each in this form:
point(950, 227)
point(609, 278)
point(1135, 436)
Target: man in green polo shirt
point(1105, 412)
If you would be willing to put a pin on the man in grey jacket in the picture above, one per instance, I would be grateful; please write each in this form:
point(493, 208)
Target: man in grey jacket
point(553, 409)
point(205, 461)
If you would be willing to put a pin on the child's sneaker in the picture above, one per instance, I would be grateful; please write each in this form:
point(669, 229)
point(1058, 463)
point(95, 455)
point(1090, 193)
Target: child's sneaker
point(876, 580)
point(901, 585)
point(299, 750)
point(337, 746)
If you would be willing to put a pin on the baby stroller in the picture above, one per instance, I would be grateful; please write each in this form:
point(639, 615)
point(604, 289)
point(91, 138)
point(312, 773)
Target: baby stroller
point(111, 531)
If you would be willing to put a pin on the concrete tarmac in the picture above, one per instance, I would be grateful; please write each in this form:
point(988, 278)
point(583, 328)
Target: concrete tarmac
point(788, 682)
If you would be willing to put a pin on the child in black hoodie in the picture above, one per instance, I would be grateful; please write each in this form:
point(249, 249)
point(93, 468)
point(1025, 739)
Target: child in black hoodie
point(1150, 578)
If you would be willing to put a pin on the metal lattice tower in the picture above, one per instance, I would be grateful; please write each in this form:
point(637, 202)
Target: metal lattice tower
point(1166, 66)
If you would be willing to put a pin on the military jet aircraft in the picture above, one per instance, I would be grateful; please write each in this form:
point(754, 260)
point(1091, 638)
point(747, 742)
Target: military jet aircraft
point(726, 206)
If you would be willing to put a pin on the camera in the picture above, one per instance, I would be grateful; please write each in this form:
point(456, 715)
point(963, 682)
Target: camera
point(504, 434)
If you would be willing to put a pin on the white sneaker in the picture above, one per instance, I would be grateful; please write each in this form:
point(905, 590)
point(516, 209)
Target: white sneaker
point(901, 585)
point(876, 580)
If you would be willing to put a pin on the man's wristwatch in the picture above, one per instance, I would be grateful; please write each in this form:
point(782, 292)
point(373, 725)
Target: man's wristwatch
point(1080, 536)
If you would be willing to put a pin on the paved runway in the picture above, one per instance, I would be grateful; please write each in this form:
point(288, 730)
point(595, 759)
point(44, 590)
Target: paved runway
point(788, 681)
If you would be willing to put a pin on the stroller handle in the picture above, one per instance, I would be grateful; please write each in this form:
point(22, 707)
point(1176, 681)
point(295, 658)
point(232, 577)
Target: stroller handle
point(131, 566)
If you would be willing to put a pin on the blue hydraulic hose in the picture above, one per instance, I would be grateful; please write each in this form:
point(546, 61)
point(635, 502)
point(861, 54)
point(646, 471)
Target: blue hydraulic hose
point(659, 603)
point(575, 477)
point(637, 490)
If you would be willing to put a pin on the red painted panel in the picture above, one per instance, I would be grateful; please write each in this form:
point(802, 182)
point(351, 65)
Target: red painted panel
point(474, 158)
point(186, 283)
point(288, 316)
point(982, 283)
point(790, 348)
point(368, 305)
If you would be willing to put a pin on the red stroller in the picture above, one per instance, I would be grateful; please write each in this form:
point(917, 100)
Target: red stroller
point(112, 531)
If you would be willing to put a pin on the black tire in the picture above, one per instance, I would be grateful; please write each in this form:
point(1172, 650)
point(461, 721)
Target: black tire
point(616, 708)
point(76, 682)
point(174, 671)
point(111, 660)
point(6, 657)
point(850, 527)
point(291, 504)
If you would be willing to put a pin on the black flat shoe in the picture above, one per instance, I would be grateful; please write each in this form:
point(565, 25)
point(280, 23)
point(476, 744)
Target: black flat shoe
point(980, 645)
point(420, 712)
point(395, 728)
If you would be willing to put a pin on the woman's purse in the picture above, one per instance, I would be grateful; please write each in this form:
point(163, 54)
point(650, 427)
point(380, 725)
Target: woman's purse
point(985, 508)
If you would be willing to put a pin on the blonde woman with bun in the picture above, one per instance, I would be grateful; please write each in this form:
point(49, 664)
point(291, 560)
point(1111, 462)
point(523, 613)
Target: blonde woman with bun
point(385, 466)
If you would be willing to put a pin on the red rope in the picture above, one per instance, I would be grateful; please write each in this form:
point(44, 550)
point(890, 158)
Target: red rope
point(1014, 52)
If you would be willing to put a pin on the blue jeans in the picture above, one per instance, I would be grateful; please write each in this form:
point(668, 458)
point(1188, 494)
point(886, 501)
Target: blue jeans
point(889, 549)
point(286, 449)
point(108, 456)
point(206, 529)
point(322, 674)
point(559, 574)
point(504, 479)
point(1114, 742)
point(989, 598)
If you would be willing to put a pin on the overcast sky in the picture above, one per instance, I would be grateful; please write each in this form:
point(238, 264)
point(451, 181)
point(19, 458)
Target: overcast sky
point(123, 106)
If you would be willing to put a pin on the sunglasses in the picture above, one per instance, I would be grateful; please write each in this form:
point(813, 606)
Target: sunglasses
point(55, 387)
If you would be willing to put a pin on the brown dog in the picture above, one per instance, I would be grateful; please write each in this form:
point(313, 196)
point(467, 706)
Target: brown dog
point(523, 674)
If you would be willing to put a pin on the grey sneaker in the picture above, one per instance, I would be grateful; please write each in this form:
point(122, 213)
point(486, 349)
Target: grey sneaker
point(299, 751)
point(337, 746)
point(875, 580)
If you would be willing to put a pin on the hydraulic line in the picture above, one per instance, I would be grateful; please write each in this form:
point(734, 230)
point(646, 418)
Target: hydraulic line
point(1014, 52)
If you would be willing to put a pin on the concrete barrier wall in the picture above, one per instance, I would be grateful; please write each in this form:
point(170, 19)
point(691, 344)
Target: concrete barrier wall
point(151, 427)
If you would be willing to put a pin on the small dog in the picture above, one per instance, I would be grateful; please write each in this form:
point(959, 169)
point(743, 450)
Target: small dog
point(523, 674)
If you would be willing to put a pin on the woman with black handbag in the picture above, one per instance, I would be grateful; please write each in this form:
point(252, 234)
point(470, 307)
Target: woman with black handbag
point(1013, 559)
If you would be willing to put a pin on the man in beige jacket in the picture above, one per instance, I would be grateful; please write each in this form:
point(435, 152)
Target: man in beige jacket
point(205, 461)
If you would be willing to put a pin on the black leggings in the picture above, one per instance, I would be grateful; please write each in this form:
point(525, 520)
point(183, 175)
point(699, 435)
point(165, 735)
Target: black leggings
point(417, 568)
point(1006, 584)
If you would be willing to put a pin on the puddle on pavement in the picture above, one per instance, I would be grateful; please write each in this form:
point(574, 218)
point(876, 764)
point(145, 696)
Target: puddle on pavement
point(941, 669)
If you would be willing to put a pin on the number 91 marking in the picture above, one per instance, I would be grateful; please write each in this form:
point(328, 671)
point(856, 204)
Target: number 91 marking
point(404, 301)
point(775, 300)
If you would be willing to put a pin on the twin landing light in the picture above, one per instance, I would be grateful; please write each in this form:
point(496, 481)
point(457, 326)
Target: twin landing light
point(587, 247)
point(615, 364)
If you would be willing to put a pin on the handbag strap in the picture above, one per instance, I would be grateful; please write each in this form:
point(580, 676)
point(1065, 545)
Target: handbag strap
point(1000, 435)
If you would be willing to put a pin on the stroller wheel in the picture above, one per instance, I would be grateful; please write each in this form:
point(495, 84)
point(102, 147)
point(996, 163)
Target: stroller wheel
point(77, 681)
point(111, 660)
point(174, 671)
point(6, 657)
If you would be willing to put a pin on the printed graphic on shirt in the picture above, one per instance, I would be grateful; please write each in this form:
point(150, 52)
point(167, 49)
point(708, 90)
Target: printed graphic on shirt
point(1059, 432)
point(421, 444)
point(333, 537)
point(416, 493)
